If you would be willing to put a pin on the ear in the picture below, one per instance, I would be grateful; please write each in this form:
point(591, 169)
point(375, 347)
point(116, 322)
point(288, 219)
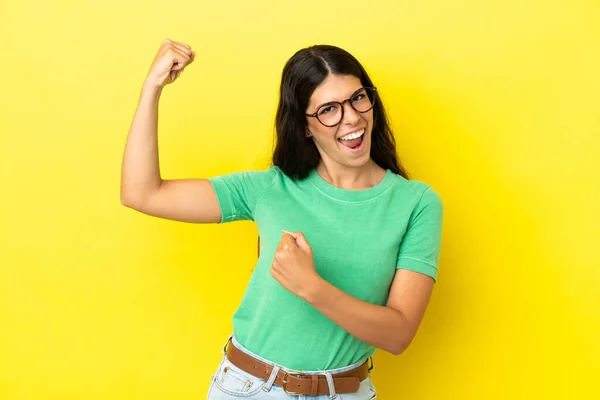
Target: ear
point(308, 134)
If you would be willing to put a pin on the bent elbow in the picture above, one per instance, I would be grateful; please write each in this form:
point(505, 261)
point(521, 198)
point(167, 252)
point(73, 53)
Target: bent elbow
point(397, 350)
point(129, 201)
point(399, 347)
point(125, 201)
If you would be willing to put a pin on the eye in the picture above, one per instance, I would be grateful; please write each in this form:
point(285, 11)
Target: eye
point(327, 109)
point(359, 96)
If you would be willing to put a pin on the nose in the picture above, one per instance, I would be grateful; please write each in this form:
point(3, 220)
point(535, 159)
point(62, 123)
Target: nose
point(351, 116)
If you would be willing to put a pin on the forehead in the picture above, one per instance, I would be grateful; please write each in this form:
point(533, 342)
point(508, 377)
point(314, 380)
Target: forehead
point(334, 88)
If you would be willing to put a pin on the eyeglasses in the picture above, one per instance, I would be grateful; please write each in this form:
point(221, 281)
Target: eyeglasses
point(330, 114)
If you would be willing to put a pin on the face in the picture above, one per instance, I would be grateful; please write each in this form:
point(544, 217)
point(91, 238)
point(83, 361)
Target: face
point(332, 142)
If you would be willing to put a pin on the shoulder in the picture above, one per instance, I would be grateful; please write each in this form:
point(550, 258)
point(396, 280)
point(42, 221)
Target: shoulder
point(420, 193)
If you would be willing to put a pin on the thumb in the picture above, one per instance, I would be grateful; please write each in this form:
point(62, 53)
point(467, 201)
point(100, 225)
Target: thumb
point(302, 242)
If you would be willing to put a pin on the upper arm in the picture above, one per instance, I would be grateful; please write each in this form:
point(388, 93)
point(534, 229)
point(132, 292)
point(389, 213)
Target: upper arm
point(220, 199)
point(187, 200)
point(409, 294)
point(417, 263)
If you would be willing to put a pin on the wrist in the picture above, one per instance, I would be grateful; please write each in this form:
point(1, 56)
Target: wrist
point(318, 293)
point(152, 88)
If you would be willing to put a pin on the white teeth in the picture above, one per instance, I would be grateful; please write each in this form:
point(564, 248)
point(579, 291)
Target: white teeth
point(353, 135)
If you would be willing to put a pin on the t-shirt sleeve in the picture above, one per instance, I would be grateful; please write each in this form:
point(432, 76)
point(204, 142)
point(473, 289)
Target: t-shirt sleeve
point(420, 247)
point(239, 192)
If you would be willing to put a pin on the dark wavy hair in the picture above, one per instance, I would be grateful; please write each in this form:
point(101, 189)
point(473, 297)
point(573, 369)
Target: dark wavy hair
point(294, 153)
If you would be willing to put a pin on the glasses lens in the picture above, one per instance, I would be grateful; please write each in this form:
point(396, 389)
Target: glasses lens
point(330, 114)
point(363, 100)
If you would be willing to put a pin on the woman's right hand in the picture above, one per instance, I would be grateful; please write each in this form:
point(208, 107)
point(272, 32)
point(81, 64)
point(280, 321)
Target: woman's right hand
point(171, 59)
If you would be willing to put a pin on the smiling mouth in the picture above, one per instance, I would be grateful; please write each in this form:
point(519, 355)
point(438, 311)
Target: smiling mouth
point(353, 140)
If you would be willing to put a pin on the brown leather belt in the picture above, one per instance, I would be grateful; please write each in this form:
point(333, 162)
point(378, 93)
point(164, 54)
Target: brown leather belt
point(298, 384)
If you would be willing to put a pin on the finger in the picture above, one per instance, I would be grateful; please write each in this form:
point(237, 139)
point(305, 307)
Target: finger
point(288, 243)
point(180, 59)
point(191, 54)
point(184, 49)
point(170, 47)
point(279, 245)
point(302, 242)
point(277, 255)
point(290, 233)
point(275, 265)
point(168, 42)
point(181, 44)
point(288, 237)
point(175, 74)
point(180, 53)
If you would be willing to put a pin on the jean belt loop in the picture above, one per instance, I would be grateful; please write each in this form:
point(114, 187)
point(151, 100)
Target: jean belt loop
point(272, 378)
point(332, 393)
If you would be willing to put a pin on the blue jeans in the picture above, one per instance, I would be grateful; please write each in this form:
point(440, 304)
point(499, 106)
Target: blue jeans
point(231, 383)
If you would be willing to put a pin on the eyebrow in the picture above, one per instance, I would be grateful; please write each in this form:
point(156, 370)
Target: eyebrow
point(335, 101)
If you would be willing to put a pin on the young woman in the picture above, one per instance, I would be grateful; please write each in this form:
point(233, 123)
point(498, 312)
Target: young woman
point(349, 244)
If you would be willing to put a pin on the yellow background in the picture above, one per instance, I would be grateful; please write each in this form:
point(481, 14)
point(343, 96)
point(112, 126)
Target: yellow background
point(494, 103)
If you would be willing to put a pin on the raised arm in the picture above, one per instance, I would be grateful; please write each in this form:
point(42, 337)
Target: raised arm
point(142, 188)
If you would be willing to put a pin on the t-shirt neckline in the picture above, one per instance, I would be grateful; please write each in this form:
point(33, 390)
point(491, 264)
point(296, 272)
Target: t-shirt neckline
point(347, 194)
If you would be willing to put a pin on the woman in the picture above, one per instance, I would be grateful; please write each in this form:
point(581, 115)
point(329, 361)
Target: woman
point(349, 245)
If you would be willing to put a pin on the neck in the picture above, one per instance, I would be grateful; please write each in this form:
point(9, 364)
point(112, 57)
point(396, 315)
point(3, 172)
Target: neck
point(349, 178)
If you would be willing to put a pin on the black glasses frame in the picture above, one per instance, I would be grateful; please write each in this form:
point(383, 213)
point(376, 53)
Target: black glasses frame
point(369, 89)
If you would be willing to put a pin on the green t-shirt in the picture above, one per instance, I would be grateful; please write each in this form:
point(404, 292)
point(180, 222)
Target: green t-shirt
point(358, 237)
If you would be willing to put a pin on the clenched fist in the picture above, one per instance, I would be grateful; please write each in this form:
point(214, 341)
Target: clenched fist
point(171, 59)
point(294, 266)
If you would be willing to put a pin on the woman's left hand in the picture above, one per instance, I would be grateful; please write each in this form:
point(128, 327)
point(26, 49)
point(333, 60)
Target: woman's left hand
point(294, 265)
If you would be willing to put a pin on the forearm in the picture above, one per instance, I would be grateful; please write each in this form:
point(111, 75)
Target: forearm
point(379, 326)
point(140, 171)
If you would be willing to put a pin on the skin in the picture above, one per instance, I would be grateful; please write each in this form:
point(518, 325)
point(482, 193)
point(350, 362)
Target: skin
point(391, 327)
